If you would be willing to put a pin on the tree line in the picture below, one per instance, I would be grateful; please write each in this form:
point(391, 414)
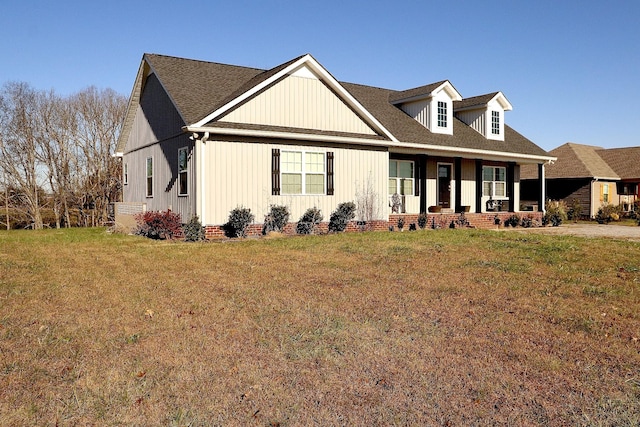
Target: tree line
point(57, 164)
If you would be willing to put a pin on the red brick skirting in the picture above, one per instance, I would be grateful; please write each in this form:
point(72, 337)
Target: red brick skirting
point(437, 220)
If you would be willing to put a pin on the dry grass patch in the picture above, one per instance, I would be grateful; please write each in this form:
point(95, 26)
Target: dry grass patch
point(448, 327)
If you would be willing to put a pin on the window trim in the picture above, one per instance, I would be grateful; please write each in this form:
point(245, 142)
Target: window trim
point(149, 177)
point(493, 182)
point(303, 172)
point(442, 114)
point(397, 178)
point(184, 171)
point(495, 122)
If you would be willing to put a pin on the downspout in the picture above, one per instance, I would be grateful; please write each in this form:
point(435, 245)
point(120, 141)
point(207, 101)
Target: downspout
point(200, 178)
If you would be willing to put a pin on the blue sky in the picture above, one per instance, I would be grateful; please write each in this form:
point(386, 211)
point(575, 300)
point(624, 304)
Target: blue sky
point(571, 69)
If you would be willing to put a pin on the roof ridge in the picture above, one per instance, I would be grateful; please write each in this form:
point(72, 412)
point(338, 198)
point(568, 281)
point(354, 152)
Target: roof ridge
point(203, 61)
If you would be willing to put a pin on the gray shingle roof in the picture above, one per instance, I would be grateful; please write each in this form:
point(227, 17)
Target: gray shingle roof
point(197, 88)
point(624, 161)
point(574, 161)
point(474, 101)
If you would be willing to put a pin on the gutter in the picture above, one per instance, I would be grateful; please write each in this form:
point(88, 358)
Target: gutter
point(438, 149)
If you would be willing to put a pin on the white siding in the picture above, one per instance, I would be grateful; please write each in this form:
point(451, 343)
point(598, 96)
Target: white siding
point(468, 184)
point(474, 118)
point(239, 174)
point(299, 102)
point(420, 111)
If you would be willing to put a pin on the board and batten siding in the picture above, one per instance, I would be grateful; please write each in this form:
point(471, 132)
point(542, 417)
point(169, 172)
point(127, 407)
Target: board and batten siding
point(420, 111)
point(468, 184)
point(474, 118)
point(299, 102)
point(239, 174)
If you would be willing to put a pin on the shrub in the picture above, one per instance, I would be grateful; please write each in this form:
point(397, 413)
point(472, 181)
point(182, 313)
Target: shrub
point(239, 220)
point(339, 219)
point(422, 220)
point(400, 223)
point(607, 213)
point(412, 226)
point(556, 212)
point(575, 211)
point(193, 230)
point(276, 219)
point(308, 221)
point(526, 221)
point(497, 220)
point(158, 225)
point(513, 221)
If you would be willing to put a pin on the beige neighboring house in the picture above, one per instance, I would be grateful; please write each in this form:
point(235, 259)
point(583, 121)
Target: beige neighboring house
point(203, 138)
point(592, 175)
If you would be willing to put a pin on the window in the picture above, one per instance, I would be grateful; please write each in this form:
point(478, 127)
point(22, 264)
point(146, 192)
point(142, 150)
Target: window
point(442, 114)
point(125, 174)
point(495, 122)
point(604, 193)
point(401, 179)
point(494, 182)
point(149, 176)
point(302, 172)
point(182, 172)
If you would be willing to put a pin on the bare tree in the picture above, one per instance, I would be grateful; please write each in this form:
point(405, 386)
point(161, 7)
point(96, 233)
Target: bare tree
point(19, 150)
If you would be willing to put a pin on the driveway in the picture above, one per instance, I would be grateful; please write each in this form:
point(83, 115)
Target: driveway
point(587, 230)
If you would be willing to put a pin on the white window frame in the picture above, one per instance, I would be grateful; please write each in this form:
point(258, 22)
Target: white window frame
point(495, 122)
point(398, 179)
point(149, 177)
point(184, 171)
point(442, 117)
point(304, 172)
point(605, 193)
point(494, 181)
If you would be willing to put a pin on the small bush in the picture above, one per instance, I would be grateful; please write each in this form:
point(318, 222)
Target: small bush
point(575, 211)
point(513, 221)
point(239, 220)
point(309, 221)
point(607, 213)
point(412, 226)
point(193, 230)
point(159, 225)
point(497, 220)
point(400, 223)
point(526, 221)
point(556, 212)
point(339, 218)
point(422, 220)
point(276, 219)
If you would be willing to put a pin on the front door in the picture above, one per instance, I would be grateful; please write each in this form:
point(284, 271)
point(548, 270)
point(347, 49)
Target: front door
point(444, 185)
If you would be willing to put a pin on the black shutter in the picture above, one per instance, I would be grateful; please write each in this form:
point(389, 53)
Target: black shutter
point(330, 173)
point(275, 172)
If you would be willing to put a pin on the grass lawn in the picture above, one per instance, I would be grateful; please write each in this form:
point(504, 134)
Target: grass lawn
point(445, 327)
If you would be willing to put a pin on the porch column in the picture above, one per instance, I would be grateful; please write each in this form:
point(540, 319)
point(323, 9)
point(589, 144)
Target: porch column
point(511, 186)
point(458, 183)
point(542, 182)
point(422, 179)
point(478, 186)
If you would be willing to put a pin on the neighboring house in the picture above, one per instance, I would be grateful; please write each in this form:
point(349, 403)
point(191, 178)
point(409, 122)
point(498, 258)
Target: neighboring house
point(203, 138)
point(590, 175)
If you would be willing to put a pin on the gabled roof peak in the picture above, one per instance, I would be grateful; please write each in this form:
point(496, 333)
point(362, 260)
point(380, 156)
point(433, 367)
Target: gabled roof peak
point(424, 92)
point(481, 101)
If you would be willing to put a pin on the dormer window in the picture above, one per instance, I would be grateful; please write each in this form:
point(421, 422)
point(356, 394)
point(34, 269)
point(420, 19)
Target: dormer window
point(495, 122)
point(442, 114)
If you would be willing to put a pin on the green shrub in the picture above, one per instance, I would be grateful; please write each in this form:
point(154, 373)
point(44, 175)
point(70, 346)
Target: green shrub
point(159, 225)
point(400, 223)
point(575, 211)
point(340, 218)
point(513, 221)
point(607, 213)
point(422, 220)
point(308, 221)
point(276, 219)
point(193, 230)
point(556, 212)
point(526, 221)
point(239, 220)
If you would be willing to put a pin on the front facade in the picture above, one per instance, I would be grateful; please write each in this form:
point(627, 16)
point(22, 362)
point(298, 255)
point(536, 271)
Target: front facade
point(202, 138)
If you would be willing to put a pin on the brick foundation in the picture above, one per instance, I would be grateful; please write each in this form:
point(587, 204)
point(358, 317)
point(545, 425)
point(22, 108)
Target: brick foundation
point(482, 220)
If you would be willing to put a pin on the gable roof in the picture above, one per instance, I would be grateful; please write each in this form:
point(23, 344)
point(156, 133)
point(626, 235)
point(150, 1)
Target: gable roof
point(481, 101)
point(201, 91)
point(575, 161)
point(425, 91)
point(624, 161)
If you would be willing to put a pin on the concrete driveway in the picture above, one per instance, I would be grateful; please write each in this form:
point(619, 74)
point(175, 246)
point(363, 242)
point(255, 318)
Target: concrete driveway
point(587, 230)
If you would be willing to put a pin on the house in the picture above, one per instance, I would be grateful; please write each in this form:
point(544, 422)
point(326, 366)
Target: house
point(203, 138)
point(589, 175)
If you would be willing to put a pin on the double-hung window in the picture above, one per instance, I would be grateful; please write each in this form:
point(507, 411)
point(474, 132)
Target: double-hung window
point(183, 177)
point(495, 122)
point(494, 181)
point(303, 172)
point(442, 114)
point(149, 176)
point(401, 178)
